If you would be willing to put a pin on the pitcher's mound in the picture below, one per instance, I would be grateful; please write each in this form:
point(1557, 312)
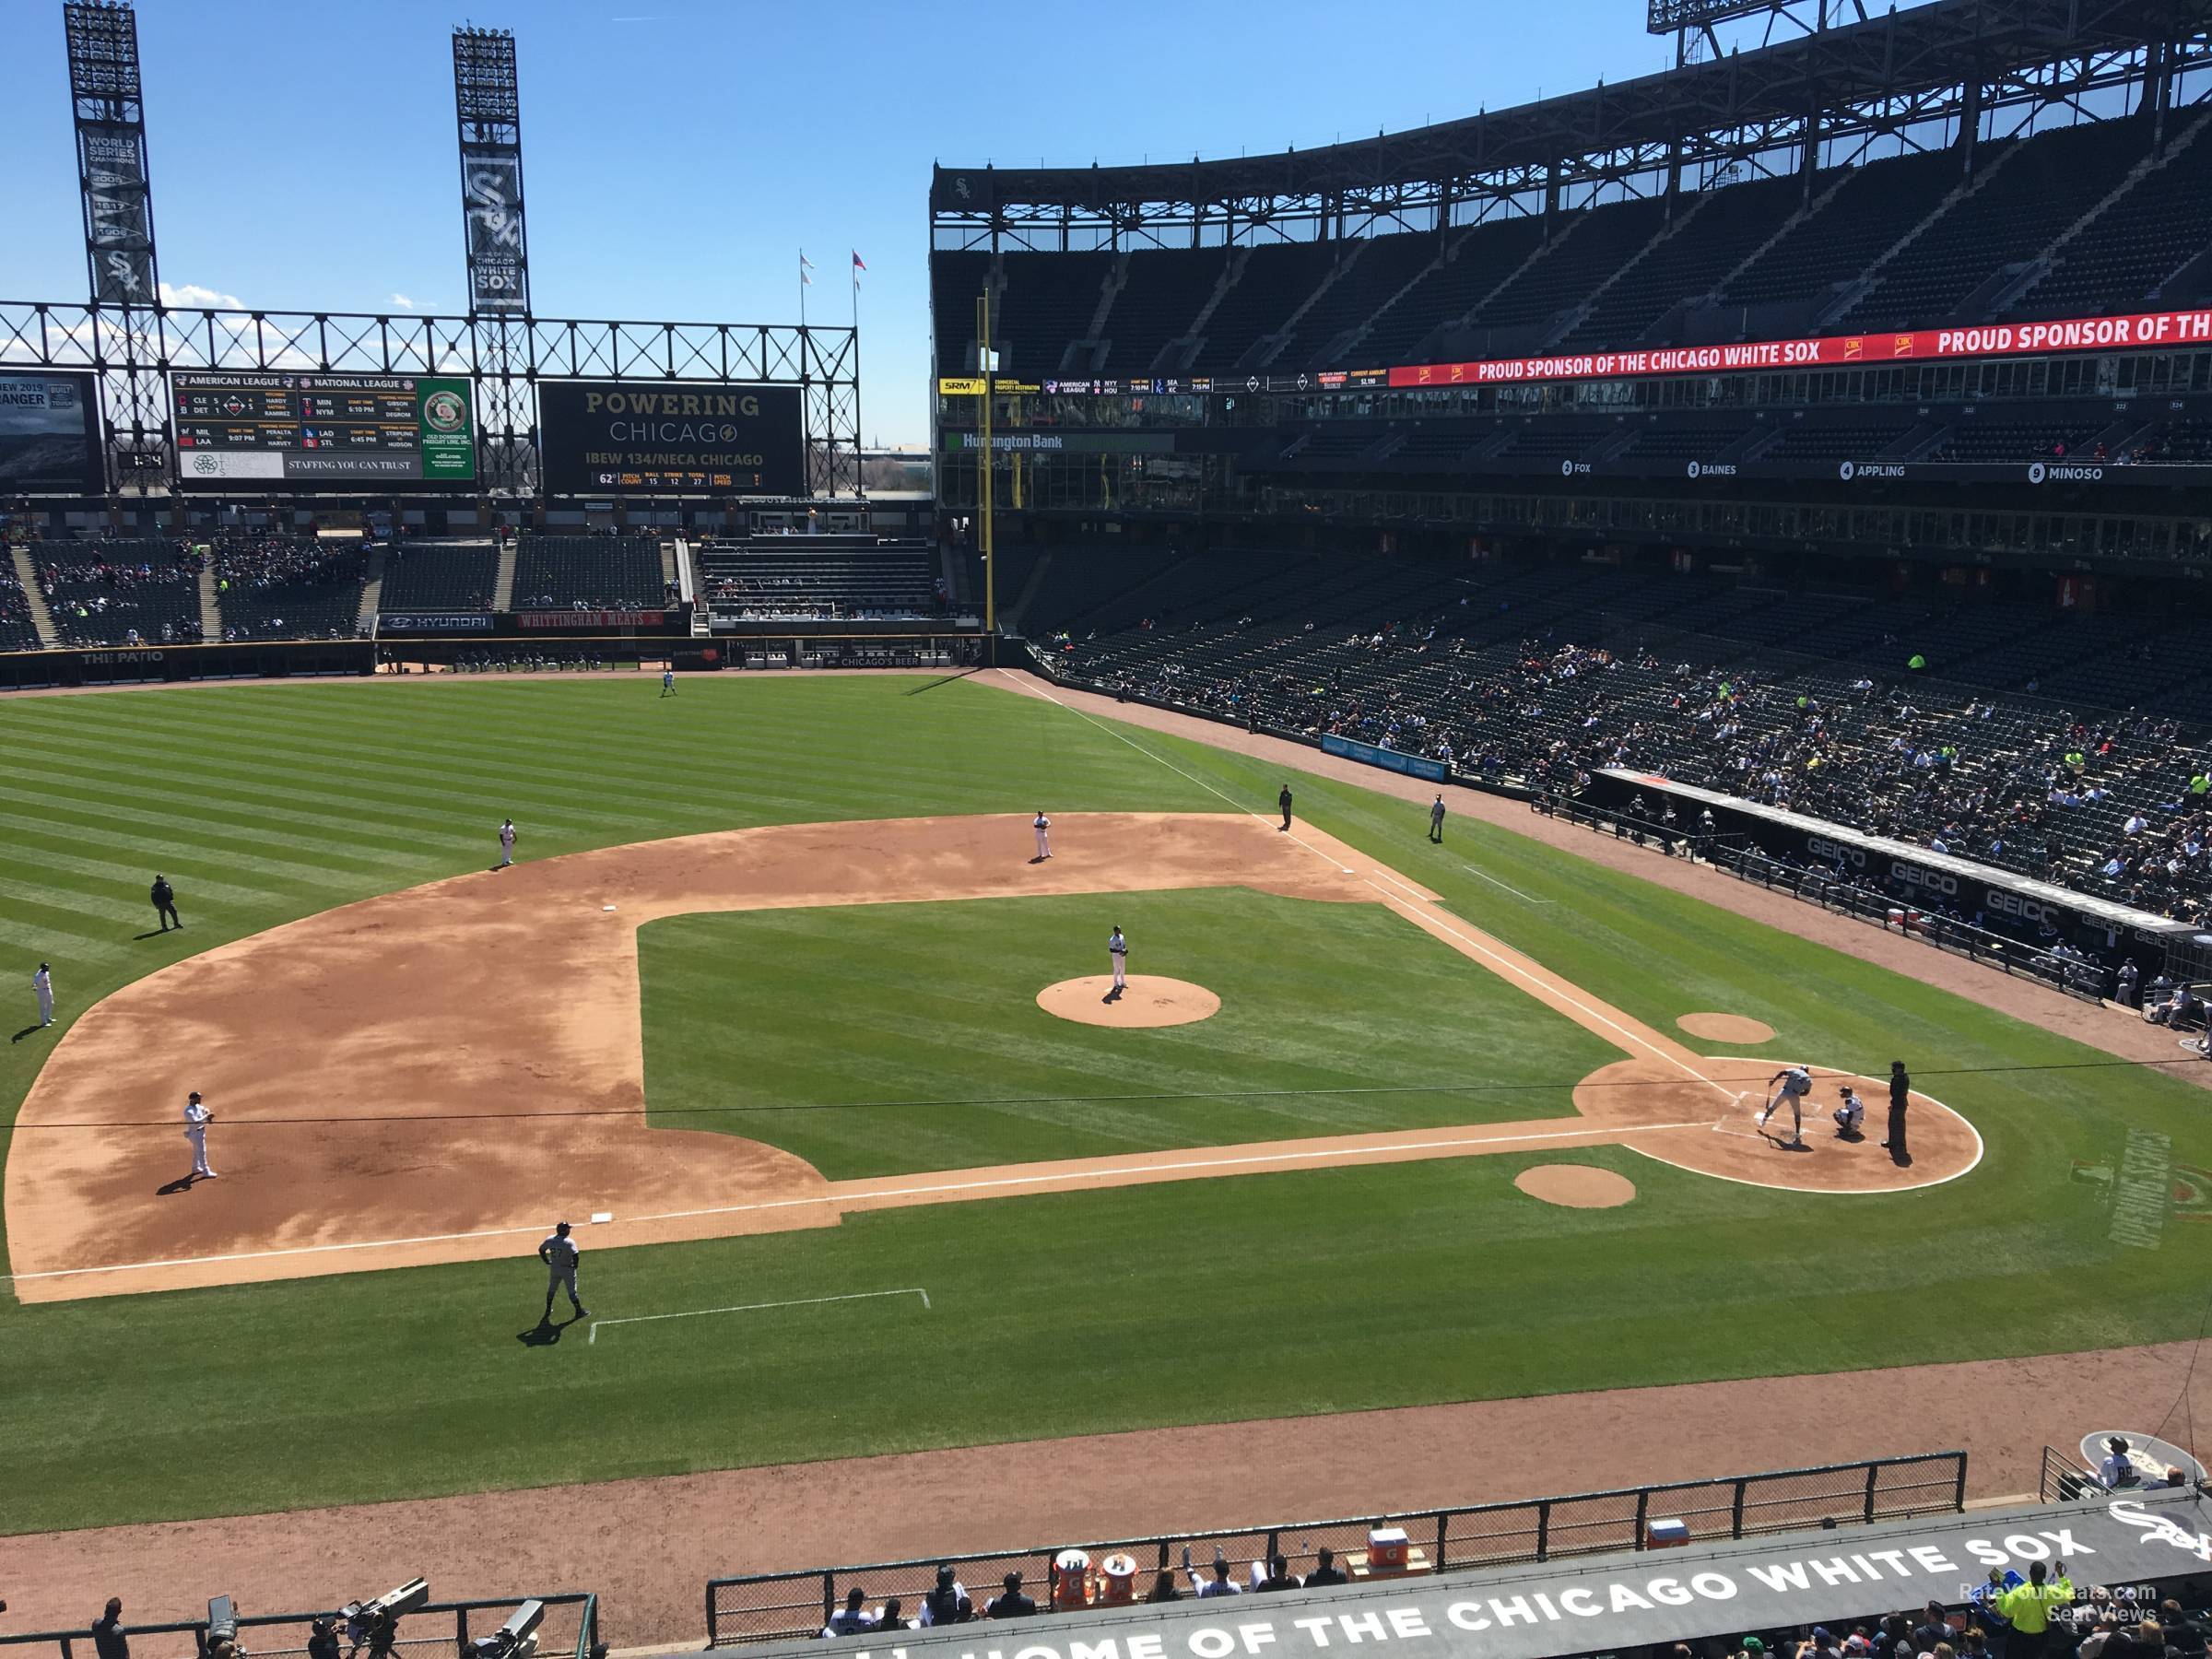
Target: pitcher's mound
point(1149, 1000)
point(1727, 1028)
point(1577, 1186)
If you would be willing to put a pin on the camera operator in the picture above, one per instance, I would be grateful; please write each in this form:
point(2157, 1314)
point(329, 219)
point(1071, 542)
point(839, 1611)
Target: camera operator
point(322, 1637)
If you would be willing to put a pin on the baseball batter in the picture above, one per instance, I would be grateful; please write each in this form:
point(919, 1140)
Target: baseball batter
point(506, 842)
point(1118, 948)
point(196, 1119)
point(1044, 826)
point(42, 985)
point(559, 1254)
point(1797, 1083)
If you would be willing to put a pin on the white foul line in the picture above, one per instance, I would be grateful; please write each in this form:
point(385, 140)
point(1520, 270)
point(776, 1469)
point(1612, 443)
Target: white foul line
point(804, 1301)
point(1516, 892)
point(1344, 1154)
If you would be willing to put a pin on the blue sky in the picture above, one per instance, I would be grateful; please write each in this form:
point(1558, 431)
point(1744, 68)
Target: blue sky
point(678, 153)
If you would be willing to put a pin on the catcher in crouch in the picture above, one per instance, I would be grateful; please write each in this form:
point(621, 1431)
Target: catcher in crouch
point(1795, 1083)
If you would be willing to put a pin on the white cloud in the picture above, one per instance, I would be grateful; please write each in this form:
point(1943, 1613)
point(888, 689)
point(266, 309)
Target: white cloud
point(193, 294)
point(403, 302)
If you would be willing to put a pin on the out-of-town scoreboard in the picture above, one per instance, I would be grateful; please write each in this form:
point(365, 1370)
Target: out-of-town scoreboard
point(323, 431)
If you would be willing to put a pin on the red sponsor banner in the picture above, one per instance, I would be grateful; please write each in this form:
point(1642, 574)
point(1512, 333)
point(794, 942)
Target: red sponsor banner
point(576, 618)
point(2151, 330)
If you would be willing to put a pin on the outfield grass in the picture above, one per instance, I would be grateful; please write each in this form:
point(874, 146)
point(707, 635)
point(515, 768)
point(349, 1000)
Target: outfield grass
point(1409, 1283)
point(881, 1038)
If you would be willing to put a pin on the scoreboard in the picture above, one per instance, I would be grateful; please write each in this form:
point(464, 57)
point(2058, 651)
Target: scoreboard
point(330, 431)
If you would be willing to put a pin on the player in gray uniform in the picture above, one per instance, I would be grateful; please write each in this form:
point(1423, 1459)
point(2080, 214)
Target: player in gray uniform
point(1118, 948)
point(559, 1254)
point(1436, 821)
point(1797, 1083)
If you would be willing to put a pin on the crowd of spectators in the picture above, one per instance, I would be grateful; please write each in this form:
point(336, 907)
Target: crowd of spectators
point(275, 585)
point(2118, 805)
point(134, 593)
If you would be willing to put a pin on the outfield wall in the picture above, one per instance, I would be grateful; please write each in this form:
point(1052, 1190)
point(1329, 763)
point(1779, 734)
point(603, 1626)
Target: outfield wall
point(160, 664)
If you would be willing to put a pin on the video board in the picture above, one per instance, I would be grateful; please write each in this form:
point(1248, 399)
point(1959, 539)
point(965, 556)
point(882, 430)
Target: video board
point(601, 438)
point(323, 431)
point(49, 434)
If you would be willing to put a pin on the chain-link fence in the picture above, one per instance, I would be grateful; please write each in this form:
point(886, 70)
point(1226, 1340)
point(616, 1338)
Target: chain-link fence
point(780, 1606)
point(438, 1631)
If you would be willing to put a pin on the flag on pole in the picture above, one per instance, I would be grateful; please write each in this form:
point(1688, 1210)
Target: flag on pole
point(805, 264)
point(859, 265)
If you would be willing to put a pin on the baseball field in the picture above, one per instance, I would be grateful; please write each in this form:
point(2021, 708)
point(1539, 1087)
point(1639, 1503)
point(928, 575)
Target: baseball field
point(763, 990)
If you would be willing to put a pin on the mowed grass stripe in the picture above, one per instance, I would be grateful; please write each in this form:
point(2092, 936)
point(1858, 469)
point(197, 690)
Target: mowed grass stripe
point(1168, 1301)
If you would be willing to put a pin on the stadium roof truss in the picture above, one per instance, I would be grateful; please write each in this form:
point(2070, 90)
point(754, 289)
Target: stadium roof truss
point(130, 350)
point(1906, 79)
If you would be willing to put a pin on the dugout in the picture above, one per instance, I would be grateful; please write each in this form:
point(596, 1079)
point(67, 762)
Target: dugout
point(2147, 1546)
point(1930, 880)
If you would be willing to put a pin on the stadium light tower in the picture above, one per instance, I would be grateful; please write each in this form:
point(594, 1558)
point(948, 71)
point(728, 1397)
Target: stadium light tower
point(487, 110)
point(106, 98)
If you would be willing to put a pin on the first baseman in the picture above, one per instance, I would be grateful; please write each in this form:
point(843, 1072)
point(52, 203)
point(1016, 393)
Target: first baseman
point(558, 1252)
point(506, 842)
point(1044, 826)
point(42, 985)
point(196, 1119)
point(1118, 948)
point(1797, 1083)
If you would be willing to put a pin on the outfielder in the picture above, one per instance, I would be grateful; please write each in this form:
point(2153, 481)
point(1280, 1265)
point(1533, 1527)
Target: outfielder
point(1117, 948)
point(668, 682)
point(506, 842)
point(1436, 821)
point(1797, 1083)
point(1044, 826)
point(196, 1119)
point(559, 1254)
point(42, 985)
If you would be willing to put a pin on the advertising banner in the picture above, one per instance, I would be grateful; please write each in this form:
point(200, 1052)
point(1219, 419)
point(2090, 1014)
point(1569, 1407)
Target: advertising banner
point(491, 199)
point(590, 618)
point(117, 214)
point(1412, 765)
point(2154, 331)
point(48, 433)
point(434, 622)
point(2132, 1547)
point(600, 438)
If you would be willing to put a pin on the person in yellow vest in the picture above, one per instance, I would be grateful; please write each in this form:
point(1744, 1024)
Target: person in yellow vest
point(2029, 1608)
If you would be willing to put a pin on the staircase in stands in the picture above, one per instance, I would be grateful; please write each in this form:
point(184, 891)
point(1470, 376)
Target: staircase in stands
point(502, 589)
point(211, 607)
point(40, 618)
point(372, 594)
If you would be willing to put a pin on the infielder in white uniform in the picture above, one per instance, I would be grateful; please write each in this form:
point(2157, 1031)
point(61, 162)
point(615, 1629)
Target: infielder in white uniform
point(1118, 948)
point(506, 844)
point(196, 1119)
point(1797, 1083)
point(1042, 825)
point(559, 1254)
point(42, 984)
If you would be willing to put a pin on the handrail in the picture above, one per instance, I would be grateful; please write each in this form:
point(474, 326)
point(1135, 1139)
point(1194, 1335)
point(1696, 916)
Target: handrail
point(799, 1602)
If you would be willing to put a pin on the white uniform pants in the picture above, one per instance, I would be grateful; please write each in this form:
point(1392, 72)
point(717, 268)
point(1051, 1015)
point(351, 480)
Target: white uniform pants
point(1045, 844)
point(1121, 966)
point(564, 1278)
point(506, 856)
point(45, 1004)
point(198, 1137)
